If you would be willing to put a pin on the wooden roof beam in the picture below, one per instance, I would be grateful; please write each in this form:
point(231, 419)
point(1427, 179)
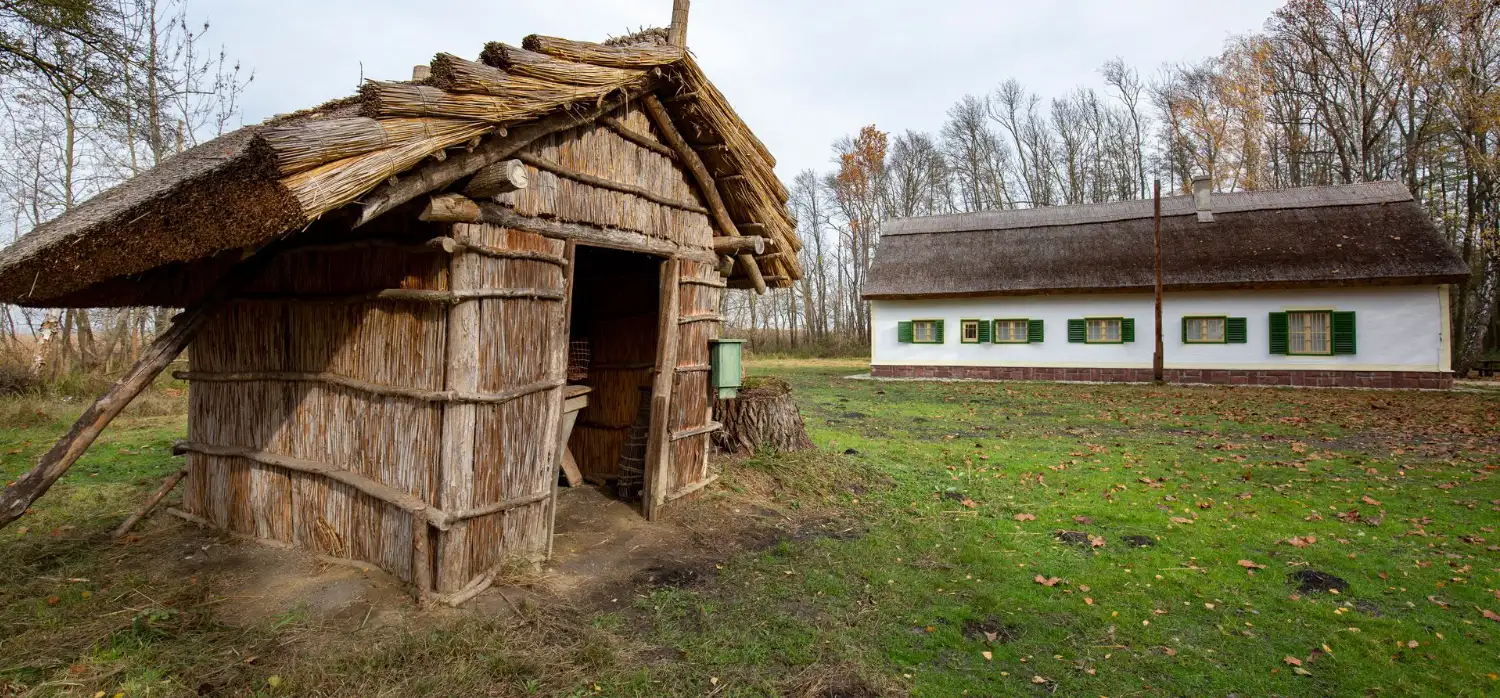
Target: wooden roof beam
point(740, 243)
point(636, 137)
point(705, 182)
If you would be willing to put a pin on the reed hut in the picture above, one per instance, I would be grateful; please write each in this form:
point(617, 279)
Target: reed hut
point(383, 294)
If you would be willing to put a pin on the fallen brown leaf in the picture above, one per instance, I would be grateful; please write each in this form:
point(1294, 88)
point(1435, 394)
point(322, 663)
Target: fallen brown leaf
point(1025, 517)
point(1047, 581)
point(1251, 565)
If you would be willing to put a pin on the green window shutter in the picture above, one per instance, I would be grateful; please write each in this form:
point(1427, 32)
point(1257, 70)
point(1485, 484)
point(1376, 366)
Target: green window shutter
point(1343, 332)
point(1280, 344)
point(903, 332)
point(1235, 331)
point(1184, 330)
point(984, 332)
point(1034, 331)
point(1077, 331)
point(938, 331)
point(1127, 330)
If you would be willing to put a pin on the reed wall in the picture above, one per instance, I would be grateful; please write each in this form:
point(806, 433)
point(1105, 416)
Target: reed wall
point(251, 390)
point(597, 151)
point(692, 406)
point(393, 441)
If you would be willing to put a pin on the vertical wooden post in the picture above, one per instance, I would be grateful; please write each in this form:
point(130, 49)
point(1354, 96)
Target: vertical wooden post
point(461, 372)
point(1158, 360)
point(421, 556)
point(659, 442)
point(677, 32)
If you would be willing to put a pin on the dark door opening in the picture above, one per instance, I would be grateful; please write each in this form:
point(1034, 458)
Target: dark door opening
point(612, 332)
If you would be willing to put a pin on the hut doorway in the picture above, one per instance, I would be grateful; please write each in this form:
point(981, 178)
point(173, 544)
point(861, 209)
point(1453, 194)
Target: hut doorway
point(612, 337)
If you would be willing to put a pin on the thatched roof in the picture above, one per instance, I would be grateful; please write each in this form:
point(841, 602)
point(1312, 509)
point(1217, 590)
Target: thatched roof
point(133, 244)
point(1316, 236)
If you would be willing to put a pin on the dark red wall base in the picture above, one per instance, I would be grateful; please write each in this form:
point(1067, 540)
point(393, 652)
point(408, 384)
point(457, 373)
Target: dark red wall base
point(1313, 379)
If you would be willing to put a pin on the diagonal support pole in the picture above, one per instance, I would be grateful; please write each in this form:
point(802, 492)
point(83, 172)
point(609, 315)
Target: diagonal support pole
point(20, 495)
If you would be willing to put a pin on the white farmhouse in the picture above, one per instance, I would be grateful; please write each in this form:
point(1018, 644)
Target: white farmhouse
point(1319, 286)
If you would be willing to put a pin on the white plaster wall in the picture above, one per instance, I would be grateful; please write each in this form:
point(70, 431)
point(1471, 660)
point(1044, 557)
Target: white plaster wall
point(1398, 329)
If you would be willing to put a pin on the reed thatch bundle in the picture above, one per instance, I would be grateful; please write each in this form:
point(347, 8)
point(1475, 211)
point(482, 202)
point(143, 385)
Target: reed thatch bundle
point(454, 74)
point(715, 109)
point(519, 61)
point(632, 56)
point(520, 100)
point(334, 184)
point(305, 146)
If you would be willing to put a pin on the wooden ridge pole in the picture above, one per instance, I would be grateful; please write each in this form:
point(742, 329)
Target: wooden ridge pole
point(20, 495)
point(677, 31)
point(705, 182)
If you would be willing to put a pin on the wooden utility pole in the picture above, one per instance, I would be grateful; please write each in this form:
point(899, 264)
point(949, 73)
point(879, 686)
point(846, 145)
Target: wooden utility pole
point(677, 33)
point(1158, 361)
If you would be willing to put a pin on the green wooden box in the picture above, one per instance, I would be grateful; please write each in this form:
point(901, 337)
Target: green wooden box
point(725, 357)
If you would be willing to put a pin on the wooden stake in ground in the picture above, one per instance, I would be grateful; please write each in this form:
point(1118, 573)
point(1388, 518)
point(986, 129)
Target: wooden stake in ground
point(1158, 360)
point(20, 495)
point(156, 497)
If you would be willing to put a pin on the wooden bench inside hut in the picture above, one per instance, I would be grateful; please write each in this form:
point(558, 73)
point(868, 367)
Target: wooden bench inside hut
point(407, 312)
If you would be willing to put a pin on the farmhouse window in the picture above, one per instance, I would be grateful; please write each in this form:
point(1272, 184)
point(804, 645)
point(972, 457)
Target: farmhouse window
point(1309, 332)
point(919, 331)
point(1014, 331)
point(1105, 330)
point(1313, 332)
point(975, 331)
point(1102, 330)
point(1203, 330)
point(927, 331)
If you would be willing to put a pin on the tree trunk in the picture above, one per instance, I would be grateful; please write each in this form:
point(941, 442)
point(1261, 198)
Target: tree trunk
point(763, 416)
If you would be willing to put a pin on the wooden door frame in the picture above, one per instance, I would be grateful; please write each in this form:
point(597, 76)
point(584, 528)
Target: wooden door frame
point(658, 465)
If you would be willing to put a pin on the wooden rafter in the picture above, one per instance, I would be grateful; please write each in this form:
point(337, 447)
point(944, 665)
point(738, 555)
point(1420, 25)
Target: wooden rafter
point(636, 137)
point(705, 182)
point(583, 178)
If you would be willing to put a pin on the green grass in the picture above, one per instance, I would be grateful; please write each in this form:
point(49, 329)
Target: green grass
point(924, 569)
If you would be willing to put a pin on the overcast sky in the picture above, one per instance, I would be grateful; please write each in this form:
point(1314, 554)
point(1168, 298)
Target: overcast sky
point(801, 72)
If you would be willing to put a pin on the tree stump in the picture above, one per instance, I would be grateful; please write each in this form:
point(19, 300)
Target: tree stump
point(763, 416)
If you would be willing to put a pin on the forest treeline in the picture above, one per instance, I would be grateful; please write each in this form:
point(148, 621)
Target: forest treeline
point(1329, 92)
point(93, 92)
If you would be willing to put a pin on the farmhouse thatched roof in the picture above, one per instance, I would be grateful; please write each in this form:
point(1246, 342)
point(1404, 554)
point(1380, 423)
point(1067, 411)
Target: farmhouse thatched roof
point(1317, 236)
point(150, 239)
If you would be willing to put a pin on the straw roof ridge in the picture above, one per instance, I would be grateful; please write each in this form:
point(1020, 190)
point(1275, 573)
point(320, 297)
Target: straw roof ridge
point(1289, 246)
point(646, 35)
point(1223, 202)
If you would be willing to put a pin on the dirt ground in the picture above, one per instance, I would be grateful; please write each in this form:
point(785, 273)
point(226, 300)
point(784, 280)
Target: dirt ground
point(604, 552)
